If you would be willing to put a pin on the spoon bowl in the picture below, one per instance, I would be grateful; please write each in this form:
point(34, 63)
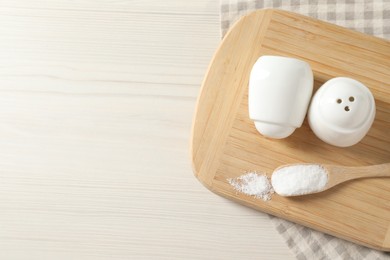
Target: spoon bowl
point(301, 179)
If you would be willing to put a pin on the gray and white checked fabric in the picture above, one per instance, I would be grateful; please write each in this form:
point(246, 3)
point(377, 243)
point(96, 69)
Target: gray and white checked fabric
point(310, 244)
point(367, 16)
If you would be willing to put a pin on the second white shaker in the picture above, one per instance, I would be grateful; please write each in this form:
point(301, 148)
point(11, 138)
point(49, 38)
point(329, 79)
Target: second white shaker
point(280, 89)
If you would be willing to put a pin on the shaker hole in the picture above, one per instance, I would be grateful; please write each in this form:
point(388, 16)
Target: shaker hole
point(346, 108)
point(351, 99)
point(339, 101)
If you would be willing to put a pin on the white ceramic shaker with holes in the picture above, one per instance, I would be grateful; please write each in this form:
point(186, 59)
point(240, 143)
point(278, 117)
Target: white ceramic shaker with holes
point(342, 111)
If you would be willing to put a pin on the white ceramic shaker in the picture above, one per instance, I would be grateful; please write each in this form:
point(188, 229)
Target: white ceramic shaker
point(342, 111)
point(279, 94)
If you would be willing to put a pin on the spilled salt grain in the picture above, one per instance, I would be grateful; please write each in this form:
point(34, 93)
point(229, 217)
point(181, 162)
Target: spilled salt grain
point(254, 184)
point(299, 179)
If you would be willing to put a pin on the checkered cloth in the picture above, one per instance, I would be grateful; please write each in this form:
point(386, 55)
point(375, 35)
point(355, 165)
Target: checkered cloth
point(367, 16)
point(310, 244)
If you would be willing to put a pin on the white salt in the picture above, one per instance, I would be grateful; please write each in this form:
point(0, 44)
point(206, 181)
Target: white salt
point(254, 184)
point(299, 179)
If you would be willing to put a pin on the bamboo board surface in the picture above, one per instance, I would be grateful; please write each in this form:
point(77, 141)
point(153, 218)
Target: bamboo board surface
point(225, 143)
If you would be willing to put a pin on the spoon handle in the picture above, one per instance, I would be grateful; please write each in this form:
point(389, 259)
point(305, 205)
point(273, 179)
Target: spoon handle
point(347, 173)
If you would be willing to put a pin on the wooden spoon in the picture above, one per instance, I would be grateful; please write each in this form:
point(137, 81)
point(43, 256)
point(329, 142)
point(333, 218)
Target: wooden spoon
point(302, 179)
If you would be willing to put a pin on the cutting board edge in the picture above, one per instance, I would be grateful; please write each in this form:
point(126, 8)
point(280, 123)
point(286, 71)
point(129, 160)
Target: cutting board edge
point(266, 15)
point(384, 247)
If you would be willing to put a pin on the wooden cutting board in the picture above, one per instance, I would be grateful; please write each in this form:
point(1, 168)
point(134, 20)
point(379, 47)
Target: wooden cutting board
point(225, 143)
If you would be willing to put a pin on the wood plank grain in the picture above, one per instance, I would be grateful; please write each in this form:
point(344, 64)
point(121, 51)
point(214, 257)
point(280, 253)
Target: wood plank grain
point(96, 101)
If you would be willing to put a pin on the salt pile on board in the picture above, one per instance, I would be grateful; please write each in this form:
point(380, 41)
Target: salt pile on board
point(299, 179)
point(253, 184)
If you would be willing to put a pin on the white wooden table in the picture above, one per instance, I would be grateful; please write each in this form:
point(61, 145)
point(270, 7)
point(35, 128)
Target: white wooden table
point(96, 103)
